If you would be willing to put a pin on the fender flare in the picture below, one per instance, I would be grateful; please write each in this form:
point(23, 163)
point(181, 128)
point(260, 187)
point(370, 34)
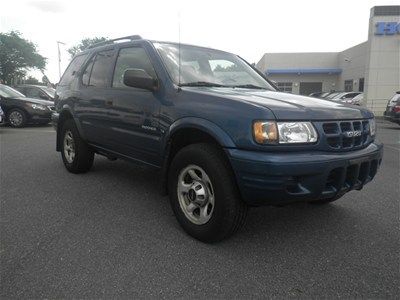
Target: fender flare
point(204, 125)
point(67, 109)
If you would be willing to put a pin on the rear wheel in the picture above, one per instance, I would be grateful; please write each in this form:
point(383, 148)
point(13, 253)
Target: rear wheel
point(75, 152)
point(203, 193)
point(17, 118)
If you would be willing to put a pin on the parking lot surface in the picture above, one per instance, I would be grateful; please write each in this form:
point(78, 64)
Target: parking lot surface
point(109, 233)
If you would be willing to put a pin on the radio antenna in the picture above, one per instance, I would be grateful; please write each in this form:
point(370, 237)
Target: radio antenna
point(179, 48)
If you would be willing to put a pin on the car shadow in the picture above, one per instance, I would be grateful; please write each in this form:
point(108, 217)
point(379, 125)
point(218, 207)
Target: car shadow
point(263, 223)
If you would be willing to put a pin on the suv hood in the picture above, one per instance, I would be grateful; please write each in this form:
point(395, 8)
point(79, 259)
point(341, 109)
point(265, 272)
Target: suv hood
point(289, 106)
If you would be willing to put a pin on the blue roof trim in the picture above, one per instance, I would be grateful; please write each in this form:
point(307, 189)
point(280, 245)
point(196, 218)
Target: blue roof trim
point(303, 71)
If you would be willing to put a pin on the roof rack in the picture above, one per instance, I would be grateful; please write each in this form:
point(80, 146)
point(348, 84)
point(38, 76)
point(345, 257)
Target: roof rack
point(130, 37)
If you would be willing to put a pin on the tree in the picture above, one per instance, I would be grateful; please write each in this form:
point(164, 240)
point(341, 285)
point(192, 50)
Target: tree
point(84, 44)
point(17, 56)
point(31, 80)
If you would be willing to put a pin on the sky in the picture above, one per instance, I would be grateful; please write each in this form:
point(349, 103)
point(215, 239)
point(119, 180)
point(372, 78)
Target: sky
point(248, 28)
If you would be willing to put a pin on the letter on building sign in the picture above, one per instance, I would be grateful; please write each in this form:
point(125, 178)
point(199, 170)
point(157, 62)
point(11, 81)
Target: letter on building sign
point(387, 28)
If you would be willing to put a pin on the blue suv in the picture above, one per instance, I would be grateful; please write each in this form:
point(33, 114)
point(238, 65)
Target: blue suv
point(220, 133)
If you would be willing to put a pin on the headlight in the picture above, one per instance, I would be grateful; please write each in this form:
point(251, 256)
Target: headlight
point(38, 106)
point(284, 132)
point(372, 127)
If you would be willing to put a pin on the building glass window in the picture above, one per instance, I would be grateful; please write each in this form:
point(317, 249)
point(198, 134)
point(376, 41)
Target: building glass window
point(285, 86)
point(348, 85)
point(361, 85)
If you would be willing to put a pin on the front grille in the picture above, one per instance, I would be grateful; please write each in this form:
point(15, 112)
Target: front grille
point(343, 179)
point(346, 135)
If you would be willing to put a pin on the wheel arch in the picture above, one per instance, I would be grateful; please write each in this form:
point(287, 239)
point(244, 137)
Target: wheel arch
point(189, 131)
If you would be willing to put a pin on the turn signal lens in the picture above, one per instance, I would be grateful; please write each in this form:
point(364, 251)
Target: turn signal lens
point(265, 132)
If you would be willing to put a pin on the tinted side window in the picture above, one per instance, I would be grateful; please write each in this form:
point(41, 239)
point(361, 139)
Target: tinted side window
point(73, 67)
point(101, 69)
point(87, 71)
point(131, 58)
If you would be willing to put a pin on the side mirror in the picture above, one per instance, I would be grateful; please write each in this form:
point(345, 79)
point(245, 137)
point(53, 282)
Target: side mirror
point(139, 78)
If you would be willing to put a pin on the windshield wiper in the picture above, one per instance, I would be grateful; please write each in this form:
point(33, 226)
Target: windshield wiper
point(249, 86)
point(202, 83)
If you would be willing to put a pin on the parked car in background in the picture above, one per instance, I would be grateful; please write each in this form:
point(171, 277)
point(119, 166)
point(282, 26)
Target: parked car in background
point(1, 116)
point(316, 94)
point(344, 96)
point(20, 110)
point(323, 95)
point(357, 100)
point(37, 91)
point(221, 135)
point(332, 95)
point(392, 112)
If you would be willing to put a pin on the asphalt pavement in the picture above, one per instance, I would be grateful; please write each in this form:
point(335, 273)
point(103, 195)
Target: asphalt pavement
point(109, 233)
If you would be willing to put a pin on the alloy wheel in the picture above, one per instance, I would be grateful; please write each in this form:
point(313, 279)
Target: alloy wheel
point(196, 194)
point(69, 147)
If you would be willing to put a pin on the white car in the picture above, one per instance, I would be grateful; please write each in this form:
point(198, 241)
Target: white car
point(344, 97)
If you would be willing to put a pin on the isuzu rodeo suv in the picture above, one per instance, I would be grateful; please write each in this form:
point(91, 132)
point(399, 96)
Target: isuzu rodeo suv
point(220, 133)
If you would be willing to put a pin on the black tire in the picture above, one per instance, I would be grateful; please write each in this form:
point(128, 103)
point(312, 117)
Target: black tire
point(84, 155)
point(229, 212)
point(21, 116)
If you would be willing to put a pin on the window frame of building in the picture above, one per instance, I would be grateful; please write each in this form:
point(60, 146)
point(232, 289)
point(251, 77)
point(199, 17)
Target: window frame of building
point(286, 87)
point(348, 85)
point(361, 85)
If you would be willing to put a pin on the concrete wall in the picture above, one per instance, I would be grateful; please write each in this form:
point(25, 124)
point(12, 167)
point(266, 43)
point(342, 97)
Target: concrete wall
point(329, 82)
point(298, 60)
point(353, 63)
point(383, 65)
point(317, 60)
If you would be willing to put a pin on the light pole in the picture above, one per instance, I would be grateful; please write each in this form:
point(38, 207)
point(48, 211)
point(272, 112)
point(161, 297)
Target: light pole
point(59, 58)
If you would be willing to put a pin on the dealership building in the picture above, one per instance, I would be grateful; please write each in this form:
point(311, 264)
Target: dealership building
point(372, 67)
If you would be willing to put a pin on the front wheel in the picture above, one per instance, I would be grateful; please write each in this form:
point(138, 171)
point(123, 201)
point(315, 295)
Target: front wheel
point(17, 118)
point(203, 193)
point(75, 152)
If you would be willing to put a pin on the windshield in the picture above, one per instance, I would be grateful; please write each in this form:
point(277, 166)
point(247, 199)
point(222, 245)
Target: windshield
point(207, 67)
point(50, 91)
point(8, 92)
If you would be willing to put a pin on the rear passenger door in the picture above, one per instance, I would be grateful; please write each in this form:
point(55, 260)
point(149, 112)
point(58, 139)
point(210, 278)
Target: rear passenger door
point(133, 117)
point(94, 104)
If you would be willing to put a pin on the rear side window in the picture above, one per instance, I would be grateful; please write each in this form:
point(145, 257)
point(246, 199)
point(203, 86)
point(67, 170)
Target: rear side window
point(73, 67)
point(87, 71)
point(101, 69)
point(131, 58)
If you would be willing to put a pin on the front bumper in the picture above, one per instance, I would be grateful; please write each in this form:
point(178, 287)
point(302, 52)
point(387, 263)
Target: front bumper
point(267, 178)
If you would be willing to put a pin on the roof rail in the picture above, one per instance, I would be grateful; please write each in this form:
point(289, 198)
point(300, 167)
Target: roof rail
point(130, 37)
